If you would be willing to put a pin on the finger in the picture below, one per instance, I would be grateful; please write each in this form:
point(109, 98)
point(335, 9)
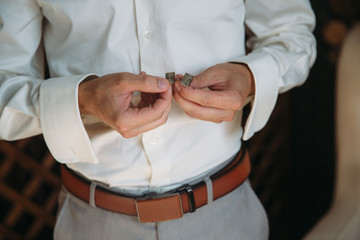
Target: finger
point(203, 112)
point(158, 104)
point(136, 117)
point(227, 99)
point(156, 99)
point(146, 83)
point(209, 77)
point(147, 127)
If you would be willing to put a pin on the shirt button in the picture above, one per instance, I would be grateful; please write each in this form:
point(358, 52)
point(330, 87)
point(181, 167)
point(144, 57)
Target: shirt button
point(153, 141)
point(148, 34)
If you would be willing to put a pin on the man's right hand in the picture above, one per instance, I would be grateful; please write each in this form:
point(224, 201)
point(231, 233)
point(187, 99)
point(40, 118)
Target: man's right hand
point(109, 99)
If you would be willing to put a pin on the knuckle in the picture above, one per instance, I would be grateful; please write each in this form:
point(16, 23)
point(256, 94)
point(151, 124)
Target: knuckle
point(126, 134)
point(120, 82)
point(206, 101)
point(216, 71)
point(164, 117)
point(236, 102)
point(229, 117)
point(163, 120)
point(122, 79)
point(147, 82)
point(122, 128)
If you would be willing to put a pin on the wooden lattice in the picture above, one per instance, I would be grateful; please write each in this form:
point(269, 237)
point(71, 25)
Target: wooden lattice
point(29, 184)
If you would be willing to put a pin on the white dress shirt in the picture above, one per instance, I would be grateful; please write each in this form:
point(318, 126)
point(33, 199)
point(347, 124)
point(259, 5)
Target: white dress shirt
point(78, 39)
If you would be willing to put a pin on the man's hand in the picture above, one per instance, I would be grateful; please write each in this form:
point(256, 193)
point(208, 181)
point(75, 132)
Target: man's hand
point(217, 93)
point(109, 99)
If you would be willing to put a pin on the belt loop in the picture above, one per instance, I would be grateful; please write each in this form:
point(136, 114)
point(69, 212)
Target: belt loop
point(92, 194)
point(209, 189)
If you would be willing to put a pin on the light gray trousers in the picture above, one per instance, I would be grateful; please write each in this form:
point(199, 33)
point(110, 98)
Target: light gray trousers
point(237, 216)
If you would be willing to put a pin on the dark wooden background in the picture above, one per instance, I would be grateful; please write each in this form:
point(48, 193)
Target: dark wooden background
point(292, 157)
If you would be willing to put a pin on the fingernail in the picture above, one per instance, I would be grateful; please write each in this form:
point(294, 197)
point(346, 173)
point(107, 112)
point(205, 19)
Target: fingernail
point(163, 83)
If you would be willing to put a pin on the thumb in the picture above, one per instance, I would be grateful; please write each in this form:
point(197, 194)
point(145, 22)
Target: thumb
point(149, 83)
point(212, 76)
point(205, 79)
point(202, 81)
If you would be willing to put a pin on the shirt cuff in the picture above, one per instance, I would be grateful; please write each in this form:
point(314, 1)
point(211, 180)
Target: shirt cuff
point(61, 123)
point(266, 76)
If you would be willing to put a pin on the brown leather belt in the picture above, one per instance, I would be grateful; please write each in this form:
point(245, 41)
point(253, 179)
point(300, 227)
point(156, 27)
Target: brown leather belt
point(155, 208)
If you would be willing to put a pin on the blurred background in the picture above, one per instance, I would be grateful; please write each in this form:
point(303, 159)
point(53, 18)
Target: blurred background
point(293, 157)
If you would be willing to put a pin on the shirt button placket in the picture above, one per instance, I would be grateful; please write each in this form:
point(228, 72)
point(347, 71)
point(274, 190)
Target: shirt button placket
point(160, 168)
point(148, 30)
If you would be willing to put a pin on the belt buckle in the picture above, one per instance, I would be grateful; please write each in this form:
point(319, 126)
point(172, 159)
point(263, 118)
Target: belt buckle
point(159, 208)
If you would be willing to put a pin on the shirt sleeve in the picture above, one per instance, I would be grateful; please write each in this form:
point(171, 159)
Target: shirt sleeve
point(282, 50)
point(30, 105)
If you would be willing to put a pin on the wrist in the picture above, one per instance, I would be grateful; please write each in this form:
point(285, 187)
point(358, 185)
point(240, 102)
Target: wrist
point(84, 95)
point(82, 98)
point(244, 69)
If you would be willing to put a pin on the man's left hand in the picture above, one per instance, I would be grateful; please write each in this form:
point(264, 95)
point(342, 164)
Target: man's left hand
point(217, 93)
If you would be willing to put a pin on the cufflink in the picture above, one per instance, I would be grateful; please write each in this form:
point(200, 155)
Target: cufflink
point(170, 76)
point(186, 80)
